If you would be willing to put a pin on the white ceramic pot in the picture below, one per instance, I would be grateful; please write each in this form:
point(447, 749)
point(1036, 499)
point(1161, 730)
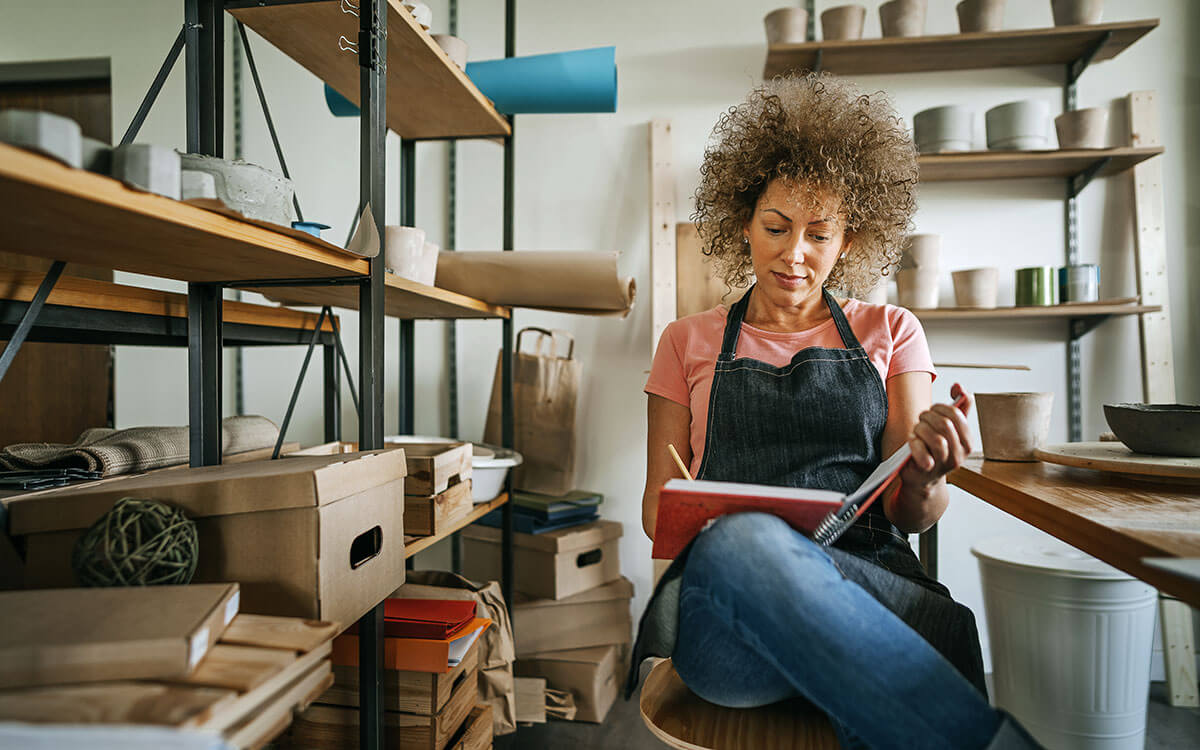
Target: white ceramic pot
point(921, 251)
point(1076, 12)
point(976, 287)
point(786, 26)
point(155, 169)
point(1018, 126)
point(422, 13)
point(980, 15)
point(843, 22)
point(1013, 425)
point(455, 48)
point(878, 295)
point(426, 271)
point(902, 18)
point(1082, 128)
point(48, 134)
point(403, 250)
point(943, 129)
point(917, 288)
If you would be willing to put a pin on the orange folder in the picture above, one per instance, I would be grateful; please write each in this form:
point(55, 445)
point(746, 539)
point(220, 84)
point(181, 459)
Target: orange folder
point(407, 654)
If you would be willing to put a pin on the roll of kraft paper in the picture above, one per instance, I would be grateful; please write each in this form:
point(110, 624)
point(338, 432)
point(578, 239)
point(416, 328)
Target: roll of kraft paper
point(584, 283)
point(557, 83)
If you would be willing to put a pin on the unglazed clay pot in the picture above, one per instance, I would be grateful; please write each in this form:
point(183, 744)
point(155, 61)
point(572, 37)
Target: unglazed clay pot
point(980, 15)
point(786, 26)
point(917, 288)
point(455, 48)
point(843, 22)
point(1082, 128)
point(902, 18)
point(1018, 126)
point(943, 129)
point(921, 251)
point(1076, 12)
point(976, 287)
point(1013, 425)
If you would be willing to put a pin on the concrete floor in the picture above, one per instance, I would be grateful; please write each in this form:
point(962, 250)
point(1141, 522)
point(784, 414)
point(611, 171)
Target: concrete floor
point(1167, 729)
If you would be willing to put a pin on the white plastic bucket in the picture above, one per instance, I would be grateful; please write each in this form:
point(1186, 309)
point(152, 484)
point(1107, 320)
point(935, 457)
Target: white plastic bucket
point(1071, 639)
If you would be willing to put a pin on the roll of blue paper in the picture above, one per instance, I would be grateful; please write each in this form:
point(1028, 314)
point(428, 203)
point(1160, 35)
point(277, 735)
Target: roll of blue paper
point(339, 105)
point(557, 83)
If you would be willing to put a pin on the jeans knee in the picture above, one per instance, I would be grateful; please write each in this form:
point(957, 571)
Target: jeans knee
point(740, 542)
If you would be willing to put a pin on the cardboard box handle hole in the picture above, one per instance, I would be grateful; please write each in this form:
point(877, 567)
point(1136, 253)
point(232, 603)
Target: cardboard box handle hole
point(589, 558)
point(365, 546)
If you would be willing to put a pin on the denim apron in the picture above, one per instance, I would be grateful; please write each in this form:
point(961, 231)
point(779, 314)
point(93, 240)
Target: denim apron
point(818, 423)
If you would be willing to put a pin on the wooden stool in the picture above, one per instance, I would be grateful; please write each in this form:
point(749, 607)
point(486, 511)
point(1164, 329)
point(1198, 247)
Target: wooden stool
point(682, 719)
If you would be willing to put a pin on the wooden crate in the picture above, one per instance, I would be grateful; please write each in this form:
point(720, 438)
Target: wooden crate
point(434, 467)
point(434, 514)
point(423, 693)
point(476, 732)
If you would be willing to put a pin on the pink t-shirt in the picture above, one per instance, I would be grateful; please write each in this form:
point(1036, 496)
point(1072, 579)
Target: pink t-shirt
point(687, 353)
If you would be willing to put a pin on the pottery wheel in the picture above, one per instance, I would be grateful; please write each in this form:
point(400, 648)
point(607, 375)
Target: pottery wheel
point(1117, 458)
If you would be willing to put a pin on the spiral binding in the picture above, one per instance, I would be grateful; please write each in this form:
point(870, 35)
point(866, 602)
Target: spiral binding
point(834, 524)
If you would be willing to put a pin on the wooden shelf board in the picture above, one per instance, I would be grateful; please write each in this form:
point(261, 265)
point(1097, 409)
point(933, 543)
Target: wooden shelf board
point(1000, 165)
point(428, 96)
point(406, 299)
point(478, 512)
point(92, 294)
point(994, 49)
point(1073, 310)
point(55, 212)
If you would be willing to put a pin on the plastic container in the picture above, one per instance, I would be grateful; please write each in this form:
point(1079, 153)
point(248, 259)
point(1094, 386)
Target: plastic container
point(490, 464)
point(1071, 642)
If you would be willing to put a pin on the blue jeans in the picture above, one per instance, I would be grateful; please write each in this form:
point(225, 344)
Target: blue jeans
point(765, 615)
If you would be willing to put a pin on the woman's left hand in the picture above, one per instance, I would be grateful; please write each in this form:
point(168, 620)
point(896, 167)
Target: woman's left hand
point(940, 442)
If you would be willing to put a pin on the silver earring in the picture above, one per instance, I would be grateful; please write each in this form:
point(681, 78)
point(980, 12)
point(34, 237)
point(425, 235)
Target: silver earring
point(746, 241)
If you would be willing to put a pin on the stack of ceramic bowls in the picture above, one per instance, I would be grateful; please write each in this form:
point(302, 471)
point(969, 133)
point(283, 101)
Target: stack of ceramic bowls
point(1018, 126)
point(943, 129)
point(917, 279)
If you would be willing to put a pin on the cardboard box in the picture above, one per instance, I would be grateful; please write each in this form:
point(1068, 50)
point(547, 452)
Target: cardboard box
point(319, 537)
point(597, 617)
point(432, 467)
point(591, 675)
point(63, 636)
point(423, 693)
point(553, 565)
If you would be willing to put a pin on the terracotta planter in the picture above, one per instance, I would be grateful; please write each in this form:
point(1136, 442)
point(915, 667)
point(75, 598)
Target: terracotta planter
point(943, 129)
point(917, 288)
point(1013, 425)
point(843, 22)
point(980, 15)
point(902, 18)
point(976, 287)
point(1019, 126)
point(1076, 12)
point(921, 251)
point(786, 26)
point(1082, 128)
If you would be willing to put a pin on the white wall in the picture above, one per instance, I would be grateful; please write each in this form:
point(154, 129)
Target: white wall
point(582, 184)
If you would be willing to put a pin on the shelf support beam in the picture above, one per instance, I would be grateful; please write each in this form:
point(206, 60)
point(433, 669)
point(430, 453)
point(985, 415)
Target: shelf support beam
point(507, 431)
point(204, 373)
point(406, 368)
point(155, 87)
point(1077, 183)
point(332, 383)
point(30, 316)
point(1076, 67)
point(312, 344)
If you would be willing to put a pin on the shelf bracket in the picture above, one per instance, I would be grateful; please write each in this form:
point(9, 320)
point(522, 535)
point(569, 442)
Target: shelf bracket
point(27, 320)
point(287, 417)
point(819, 63)
point(155, 87)
point(1080, 181)
point(1076, 67)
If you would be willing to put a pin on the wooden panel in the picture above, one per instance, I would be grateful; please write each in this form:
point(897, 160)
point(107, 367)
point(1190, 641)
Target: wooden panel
point(433, 467)
point(1115, 457)
point(413, 545)
point(1179, 655)
point(267, 722)
point(411, 692)
point(434, 514)
point(56, 212)
point(1072, 310)
point(405, 299)
point(290, 633)
point(662, 238)
point(699, 287)
point(114, 703)
point(995, 49)
point(240, 668)
point(428, 96)
point(477, 730)
point(251, 702)
point(1116, 519)
point(1003, 165)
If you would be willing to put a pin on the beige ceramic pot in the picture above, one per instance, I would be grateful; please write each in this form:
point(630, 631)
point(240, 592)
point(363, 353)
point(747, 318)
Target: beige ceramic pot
point(980, 15)
point(921, 251)
point(455, 48)
point(786, 26)
point(917, 288)
point(902, 18)
point(1082, 128)
point(843, 22)
point(1013, 425)
point(1076, 12)
point(975, 287)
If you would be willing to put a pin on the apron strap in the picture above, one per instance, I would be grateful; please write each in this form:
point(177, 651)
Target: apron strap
point(849, 340)
point(737, 314)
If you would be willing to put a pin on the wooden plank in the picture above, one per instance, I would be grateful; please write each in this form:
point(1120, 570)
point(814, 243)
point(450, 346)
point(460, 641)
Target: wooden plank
point(699, 287)
point(1072, 310)
point(248, 703)
point(53, 211)
point(662, 235)
point(153, 703)
point(433, 467)
point(477, 730)
point(416, 545)
point(1179, 651)
point(291, 633)
point(89, 294)
point(428, 96)
point(1003, 165)
point(1116, 519)
point(434, 514)
point(994, 49)
point(263, 725)
point(240, 668)
point(411, 692)
point(1115, 457)
point(404, 299)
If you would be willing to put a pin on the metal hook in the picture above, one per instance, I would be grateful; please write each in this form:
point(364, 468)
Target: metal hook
point(349, 8)
point(345, 45)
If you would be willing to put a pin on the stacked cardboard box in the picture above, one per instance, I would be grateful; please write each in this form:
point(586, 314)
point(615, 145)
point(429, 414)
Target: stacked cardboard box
point(571, 619)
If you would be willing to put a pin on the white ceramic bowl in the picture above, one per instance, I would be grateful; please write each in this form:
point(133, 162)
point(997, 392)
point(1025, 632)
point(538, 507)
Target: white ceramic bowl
point(1018, 125)
point(489, 464)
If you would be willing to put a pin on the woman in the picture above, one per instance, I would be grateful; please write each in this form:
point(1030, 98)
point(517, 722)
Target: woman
point(809, 186)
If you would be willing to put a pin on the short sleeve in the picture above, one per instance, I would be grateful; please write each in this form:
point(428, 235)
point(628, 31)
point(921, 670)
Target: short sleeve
point(910, 349)
point(667, 376)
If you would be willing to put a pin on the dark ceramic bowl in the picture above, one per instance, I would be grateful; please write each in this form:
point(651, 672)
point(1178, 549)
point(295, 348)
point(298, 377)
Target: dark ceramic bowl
point(1157, 429)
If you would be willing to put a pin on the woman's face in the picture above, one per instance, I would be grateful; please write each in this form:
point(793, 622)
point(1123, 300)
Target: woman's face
point(794, 242)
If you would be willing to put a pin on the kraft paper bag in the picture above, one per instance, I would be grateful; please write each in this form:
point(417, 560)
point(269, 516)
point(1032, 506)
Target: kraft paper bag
point(545, 392)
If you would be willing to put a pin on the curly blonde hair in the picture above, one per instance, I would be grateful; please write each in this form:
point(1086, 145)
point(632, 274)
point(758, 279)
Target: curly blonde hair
point(822, 133)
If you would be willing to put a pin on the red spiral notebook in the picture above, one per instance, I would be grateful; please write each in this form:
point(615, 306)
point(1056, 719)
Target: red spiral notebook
point(435, 619)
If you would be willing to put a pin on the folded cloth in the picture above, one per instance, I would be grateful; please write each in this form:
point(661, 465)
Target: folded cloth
point(135, 449)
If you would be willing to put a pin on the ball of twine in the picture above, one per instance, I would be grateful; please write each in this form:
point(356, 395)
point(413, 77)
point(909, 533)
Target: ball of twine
point(137, 543)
